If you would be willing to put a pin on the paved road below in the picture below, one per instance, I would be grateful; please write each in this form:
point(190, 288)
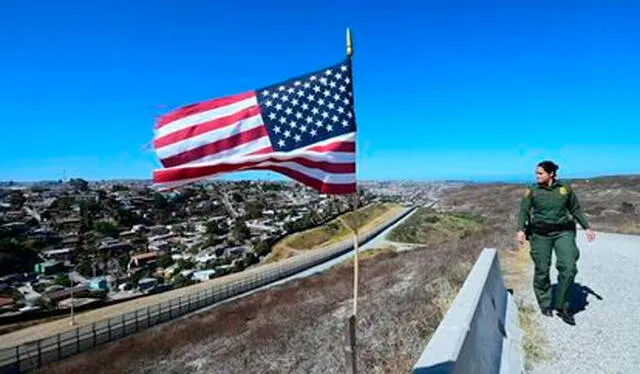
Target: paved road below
point(606, 338)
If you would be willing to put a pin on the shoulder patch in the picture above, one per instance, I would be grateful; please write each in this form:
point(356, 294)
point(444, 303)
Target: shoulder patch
point(563, 190)
point(527, 192)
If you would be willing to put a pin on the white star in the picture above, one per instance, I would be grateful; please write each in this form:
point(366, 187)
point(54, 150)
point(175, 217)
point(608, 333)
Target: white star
point(300, 93)
point(321, 101)
point(268, 103)
point(334, 118)
point(294, 101)
point(303, 128)
point(343, 67)
point(329, 128)
point(278, 106)
point(323, 80)
point(345, 123)
point(281, 88)
point(313, 132)
point(327, 92)
point(277, 129)
point(319, 123)
point(312, 78)
point(292, 124)
point(345, 101)
point(336, 97)
point(282, 120)
point(347, 80)
point(343, 88)
point(305, 106)
point(350, 94)
point(340, 110)
point(309, 119)
point(285, 98)
point(281, 143)
point(316, 89)
point(275, 95)
point(311, 97)
point(272, 116)
point(331, 106)
point(332, 84)
point(287, 134)
point(325, 114)
point(314, 111)
point(297, 83)
point(298, 115)
point(328, 72)
point(338, 76)
point(306, 85)
point(290, 90)
point(265, 93)
point(297, 137)
point(288, 111)
point(349, 114)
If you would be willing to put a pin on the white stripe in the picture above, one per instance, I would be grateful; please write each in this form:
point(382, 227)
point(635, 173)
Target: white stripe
point(206, 116)
point(349, 137)
point(234, 153)
point(313, 173)
point(334, 157)
point(209, 137)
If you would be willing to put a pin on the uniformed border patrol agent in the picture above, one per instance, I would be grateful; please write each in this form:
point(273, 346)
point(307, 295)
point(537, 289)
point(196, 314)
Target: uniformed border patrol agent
point(548, 211)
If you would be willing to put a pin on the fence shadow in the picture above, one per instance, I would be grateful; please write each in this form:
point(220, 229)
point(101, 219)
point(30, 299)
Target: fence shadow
point(578, 301)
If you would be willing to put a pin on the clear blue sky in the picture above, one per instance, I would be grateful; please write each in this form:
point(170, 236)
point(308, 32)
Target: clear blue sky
point(443, 89)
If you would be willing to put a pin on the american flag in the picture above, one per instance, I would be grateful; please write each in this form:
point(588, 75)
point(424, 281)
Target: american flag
point(303, 128)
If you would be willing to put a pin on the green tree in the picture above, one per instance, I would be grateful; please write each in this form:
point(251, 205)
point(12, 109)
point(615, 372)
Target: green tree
point(16, 257)
point(254, 209)
point(79, 184)
point(16, 199)
point(62, 280)
point(107, 228)
point(262, 249)
point(164, 261)
point(240, 231)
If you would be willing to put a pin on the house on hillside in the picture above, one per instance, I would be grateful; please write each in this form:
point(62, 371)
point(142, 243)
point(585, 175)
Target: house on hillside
point(50, 267)
point(142, 260)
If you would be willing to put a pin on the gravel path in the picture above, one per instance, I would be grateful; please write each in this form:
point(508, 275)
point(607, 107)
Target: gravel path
point(606, 338)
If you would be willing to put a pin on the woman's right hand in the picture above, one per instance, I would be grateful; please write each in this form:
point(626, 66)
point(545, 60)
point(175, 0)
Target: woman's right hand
point(521, 237)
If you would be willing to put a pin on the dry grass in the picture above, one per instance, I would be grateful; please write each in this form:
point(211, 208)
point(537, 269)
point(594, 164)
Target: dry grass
point(333, 231)
point(299, 327)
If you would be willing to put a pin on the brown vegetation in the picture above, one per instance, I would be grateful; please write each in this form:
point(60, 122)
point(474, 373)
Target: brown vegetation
point(299, 327)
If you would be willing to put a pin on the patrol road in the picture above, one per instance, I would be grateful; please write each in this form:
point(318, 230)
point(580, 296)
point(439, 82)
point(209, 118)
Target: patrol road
point(606, 338)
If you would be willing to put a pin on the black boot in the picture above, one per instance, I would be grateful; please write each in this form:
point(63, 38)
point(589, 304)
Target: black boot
point(567, 316)
point(547, 312)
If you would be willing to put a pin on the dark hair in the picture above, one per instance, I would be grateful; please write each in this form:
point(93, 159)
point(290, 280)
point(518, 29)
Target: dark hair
point(549, 166)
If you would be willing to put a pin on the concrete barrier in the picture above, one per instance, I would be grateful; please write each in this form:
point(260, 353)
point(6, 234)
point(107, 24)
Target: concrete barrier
point(480, 333)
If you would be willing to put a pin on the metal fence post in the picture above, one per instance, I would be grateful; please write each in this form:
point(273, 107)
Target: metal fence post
point(77, 339)
point(124, 326)
point(189, 303)
point(109, 328)
point(18, 357)
point(170, 308)
point(148, 316)
point(136, 320)
point(93, 328)
point(39, 353)
point(160, 312)
point(59, 348)
point(179, 305)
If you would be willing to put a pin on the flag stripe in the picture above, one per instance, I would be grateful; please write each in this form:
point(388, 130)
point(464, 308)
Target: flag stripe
point(321, 185)
point(334, 147)
point(210, 137)
point(205, 127)
point(311, 167)
point(203, 107)
point(215, 147)
point(259, 145)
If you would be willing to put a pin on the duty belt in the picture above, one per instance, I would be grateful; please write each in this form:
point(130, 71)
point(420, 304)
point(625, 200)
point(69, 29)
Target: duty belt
point(543, 228)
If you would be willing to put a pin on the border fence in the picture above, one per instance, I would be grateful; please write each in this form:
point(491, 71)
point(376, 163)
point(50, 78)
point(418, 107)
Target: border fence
point(35, 354)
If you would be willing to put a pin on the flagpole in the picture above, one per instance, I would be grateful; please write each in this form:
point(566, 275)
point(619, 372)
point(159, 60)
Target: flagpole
point(351, 326)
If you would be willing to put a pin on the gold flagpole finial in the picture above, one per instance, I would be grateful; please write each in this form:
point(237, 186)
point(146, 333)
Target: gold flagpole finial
point(349, 43)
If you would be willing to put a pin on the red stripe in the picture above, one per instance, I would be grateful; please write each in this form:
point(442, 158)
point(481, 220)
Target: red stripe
point(201, 107)
point(330, 188)
point(204, 127)
point(190, 172)
point(262, 151)
point(215, 147)
point(335, 147)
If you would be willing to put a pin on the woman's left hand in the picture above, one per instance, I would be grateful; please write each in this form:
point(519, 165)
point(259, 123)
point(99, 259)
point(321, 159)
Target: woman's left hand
point(591, 235)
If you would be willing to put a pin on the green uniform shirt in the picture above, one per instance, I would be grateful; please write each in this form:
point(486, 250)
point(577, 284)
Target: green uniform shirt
point(550, 204)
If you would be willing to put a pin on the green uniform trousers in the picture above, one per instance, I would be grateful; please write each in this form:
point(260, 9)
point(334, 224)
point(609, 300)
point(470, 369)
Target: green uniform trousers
point(567, 254)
